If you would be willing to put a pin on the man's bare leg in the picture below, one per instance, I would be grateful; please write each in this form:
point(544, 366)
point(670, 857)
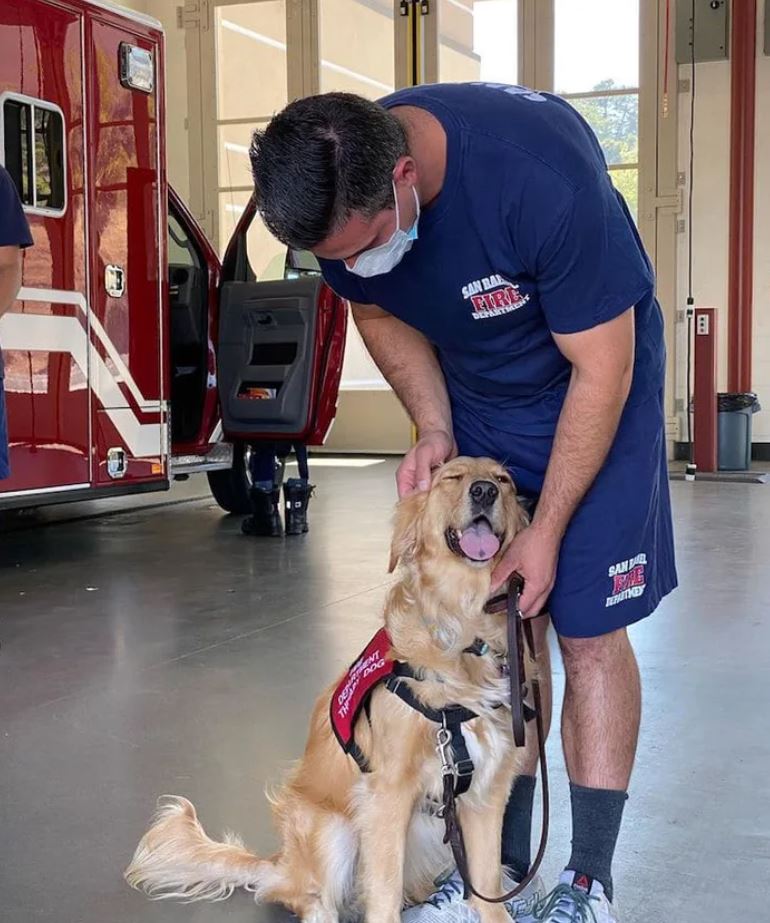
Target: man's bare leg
point(600, 729)
point(602, 710)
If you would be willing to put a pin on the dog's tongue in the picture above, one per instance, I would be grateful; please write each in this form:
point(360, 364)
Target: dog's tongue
point(479, 542)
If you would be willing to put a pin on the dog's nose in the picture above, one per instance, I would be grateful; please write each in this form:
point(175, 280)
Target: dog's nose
point(484, 493)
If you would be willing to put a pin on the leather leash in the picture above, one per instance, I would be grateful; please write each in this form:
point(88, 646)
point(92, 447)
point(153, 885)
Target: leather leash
point(519, 629)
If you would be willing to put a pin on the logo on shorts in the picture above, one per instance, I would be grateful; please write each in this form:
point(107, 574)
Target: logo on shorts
point(629, 579)
point(492, 296)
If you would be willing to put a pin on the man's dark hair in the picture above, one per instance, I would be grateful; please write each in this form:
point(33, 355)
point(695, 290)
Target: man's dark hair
point(322, 158)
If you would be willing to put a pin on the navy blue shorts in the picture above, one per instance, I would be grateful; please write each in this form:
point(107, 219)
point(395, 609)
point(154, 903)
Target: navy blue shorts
point(617, 556)
point(4, 467)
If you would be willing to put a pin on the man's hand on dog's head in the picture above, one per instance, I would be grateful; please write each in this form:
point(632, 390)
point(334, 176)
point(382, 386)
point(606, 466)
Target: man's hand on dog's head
point(433, 448)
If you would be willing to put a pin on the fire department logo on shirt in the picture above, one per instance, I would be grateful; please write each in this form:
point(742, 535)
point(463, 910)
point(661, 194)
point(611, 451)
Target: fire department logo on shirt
point(492, 296)
point(629, 579)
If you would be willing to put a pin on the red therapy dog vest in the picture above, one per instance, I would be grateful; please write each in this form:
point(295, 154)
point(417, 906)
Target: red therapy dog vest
point(371, 667)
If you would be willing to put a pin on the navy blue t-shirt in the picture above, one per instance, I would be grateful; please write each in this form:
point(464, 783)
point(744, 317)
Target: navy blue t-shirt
point(14, 230)
point(527, 237)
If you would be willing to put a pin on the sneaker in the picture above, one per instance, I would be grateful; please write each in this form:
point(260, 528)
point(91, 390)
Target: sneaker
point(523, 905)
point(446, 904)
point(577, 898)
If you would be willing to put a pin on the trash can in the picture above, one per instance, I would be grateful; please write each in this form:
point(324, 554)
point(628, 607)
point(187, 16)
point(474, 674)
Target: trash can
point(735, 410)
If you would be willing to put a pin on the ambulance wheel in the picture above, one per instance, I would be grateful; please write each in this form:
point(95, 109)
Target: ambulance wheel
point(231, 486)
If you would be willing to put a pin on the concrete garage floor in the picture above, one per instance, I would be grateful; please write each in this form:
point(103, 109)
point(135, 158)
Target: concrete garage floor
point(157, 650)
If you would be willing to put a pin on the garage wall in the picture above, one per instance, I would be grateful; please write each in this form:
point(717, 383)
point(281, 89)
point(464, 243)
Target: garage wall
point(710, 206)
point(711, 218)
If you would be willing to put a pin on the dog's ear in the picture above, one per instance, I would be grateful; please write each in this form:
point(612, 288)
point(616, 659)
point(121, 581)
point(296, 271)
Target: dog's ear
point(405, 522)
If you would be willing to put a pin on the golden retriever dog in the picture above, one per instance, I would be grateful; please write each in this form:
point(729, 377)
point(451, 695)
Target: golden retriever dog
point(366, 844)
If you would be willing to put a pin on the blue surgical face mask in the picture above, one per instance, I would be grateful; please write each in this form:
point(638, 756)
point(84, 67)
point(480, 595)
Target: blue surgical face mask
point(379, 260)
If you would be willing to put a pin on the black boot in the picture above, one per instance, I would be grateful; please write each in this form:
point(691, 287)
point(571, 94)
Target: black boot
point(296, 496)
point(266, 518)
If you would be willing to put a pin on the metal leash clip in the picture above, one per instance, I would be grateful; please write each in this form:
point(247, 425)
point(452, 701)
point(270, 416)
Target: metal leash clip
point(444, 750)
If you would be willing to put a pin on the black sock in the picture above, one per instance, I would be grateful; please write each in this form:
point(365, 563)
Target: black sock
point(517, 827)
point(596, 816)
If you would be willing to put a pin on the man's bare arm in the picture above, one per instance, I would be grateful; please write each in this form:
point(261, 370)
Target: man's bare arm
point(409, 364)
point(602, 367)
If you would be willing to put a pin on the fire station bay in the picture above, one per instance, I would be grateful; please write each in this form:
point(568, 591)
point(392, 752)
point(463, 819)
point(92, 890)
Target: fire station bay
point(384, 452)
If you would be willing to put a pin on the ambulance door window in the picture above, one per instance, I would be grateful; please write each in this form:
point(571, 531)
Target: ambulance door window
point(181, 251)
point(17, 132)
point(34, 155)
point(49, 159)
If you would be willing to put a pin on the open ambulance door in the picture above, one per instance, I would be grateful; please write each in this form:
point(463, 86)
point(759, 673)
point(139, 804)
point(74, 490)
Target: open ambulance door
point(280, 346)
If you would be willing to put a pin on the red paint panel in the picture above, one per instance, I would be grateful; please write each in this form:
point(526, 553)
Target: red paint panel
point(46, 389)
point(106, 437)
point(124, 187)
point(327, 369)
point(741, 252)
point(705, 390)
point(65, 391)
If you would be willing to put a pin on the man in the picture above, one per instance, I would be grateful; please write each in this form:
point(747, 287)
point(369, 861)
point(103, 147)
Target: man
point(14, 234)
point(500, 285)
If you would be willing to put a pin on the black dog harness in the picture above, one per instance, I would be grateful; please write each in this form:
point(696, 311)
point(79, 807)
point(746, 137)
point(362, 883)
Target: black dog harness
point(374, 667)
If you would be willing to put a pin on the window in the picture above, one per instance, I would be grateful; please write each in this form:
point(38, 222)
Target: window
point(478, 41)
point(181, 251)
point(596, 53)
point(33, 135)
point(356, 47)
point(300, 263)
point(249, 38)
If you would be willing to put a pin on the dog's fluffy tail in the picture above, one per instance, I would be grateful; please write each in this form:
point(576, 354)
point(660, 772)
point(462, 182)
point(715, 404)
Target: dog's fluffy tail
point(177, 860)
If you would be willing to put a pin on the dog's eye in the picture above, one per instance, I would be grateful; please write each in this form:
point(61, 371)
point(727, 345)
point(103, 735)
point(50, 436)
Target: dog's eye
point(502, 479)
point(452, 477)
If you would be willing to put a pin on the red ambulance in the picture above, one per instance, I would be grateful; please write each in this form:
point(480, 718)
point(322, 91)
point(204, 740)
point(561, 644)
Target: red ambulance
point(132, 356)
